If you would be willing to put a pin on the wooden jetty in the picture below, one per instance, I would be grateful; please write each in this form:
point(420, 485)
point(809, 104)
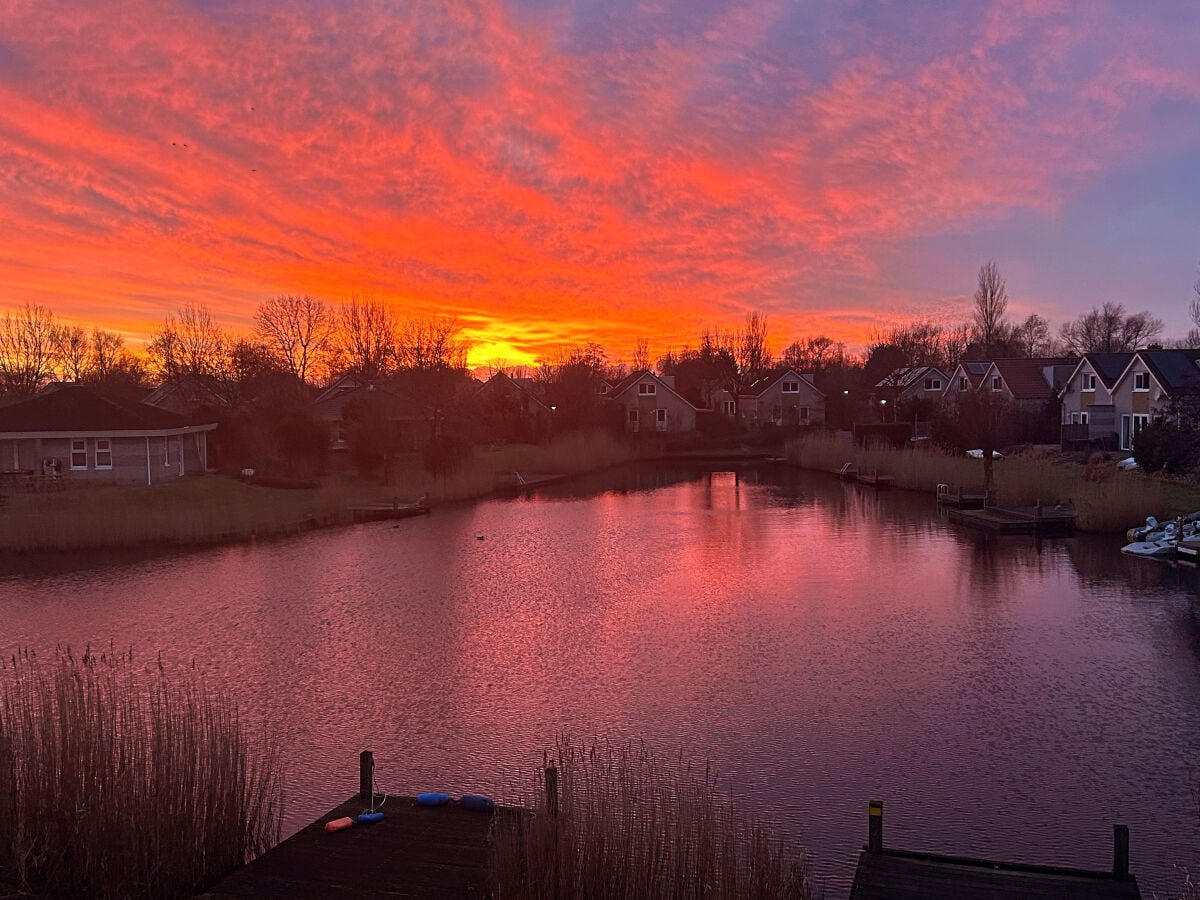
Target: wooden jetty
point(517, 482)
point(415, 852)
point(848, 472)
point(1035, 519)
point(875, 479)
point(395, 510)
point(885, 874)
point(963, 498)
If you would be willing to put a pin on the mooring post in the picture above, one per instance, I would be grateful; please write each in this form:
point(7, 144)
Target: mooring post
point(1120, 852)
point(366, 776)
point(552, 790)
point(875, 827)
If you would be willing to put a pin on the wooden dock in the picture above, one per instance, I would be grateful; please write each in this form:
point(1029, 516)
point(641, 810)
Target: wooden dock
point(875, 479)
point(963, 498)
point(884, 874)
point(378, 512)
point(1017, 519)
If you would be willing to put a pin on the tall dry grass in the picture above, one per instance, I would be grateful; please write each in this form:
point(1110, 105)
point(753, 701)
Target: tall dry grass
point(1105, 500)
point(628, 826)
point(121, 782)
point(211, 509)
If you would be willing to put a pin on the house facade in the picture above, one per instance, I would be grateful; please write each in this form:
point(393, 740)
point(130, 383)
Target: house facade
point(1150, 381)
point(1088, 413)
point(966, 377)
point(509, 409)
point(787, 398)
point(1030, 383)
point(74, 434)
point(650, 403)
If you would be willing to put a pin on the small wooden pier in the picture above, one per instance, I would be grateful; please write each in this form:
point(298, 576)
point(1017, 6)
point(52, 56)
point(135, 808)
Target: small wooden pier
point(415, 852)
point(960, 497)
point(1035, 519)
point(876, 479)
point(378, 512)
point(885, 874)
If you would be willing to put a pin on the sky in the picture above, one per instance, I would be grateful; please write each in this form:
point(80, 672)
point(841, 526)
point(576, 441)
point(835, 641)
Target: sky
point(554, 173)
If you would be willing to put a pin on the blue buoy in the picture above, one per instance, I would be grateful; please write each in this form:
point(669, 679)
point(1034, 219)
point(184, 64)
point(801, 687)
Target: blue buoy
point(369, 818)
point(477, 803)
point(433, 799)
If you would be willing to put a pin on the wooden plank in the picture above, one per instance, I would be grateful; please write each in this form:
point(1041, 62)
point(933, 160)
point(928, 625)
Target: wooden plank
point(415, 852)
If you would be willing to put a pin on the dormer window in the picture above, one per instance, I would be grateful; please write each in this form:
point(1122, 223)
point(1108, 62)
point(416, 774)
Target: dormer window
point(933, 384)
point(646, 389)
point(1141, 381)
point(1088, 383)
point(791, 387)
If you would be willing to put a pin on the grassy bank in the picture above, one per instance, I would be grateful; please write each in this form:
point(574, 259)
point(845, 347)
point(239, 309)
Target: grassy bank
point(1105, 499)
point(123, 781)
point(214, 509)
point(628, 825)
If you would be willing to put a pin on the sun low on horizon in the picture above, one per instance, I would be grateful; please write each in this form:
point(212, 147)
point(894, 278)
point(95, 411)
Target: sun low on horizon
point(560, 173)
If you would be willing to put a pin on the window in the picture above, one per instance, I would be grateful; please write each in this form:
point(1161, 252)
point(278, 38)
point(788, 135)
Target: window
point(729, 407)
point(995, 382)
point(1089, 383)
point(660, 419)
point(933, 384)
point(1083, 418)
point(646, 390)
point(963, 384)
point(1141, 381)
point(1130, 426)
point(791, 387)
point(78, 453)
point(103, 453)
point(602, 388)
point(633, 417)
point(804, 414)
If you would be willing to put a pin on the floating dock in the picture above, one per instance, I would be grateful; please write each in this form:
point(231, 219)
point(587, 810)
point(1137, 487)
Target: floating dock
point(963, 498)
point(1017, 519)
point(378, 512)
point(884, 874)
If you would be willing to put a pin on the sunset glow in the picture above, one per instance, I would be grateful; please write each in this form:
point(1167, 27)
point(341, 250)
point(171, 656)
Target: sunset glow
point(562, 172)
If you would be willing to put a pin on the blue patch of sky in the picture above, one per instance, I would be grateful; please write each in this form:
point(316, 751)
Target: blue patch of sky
point(12, 62)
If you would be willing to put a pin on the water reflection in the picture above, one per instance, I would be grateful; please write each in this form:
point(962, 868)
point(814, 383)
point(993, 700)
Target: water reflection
point(822, 643)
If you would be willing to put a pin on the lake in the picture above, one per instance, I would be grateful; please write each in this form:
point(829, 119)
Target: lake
point(821, 644)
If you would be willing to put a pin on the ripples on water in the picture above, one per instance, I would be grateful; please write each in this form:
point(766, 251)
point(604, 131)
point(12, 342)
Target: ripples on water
point(822, 644)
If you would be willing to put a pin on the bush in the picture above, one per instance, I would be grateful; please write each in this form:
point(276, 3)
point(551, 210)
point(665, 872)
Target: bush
point(115, 782)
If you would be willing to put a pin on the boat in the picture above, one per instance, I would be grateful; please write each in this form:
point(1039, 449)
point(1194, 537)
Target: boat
point(1161, 547)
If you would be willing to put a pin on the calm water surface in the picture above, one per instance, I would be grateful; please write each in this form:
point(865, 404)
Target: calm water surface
point(823, 645)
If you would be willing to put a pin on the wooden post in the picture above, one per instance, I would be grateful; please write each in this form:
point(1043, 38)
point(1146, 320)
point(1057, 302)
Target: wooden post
point(1120, 852)
point(552, 790)
point(366, 776)
point(875, 827)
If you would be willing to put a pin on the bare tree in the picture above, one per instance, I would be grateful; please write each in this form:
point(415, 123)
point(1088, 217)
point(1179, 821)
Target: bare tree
point(433, 342)
point(641, 354)
point(1033, 337)
point(29, 350)
point(365, 343)
point(991, 305)
point(189, 344)
point(297, 330)
point(1193, 337)
point(74, 352)
point(108, 355)
point(752, 350)
point(1110, 330)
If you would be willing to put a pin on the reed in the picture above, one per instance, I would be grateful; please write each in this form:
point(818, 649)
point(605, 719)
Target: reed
point(116, 781)
point(1105, 500)
point(629, 826)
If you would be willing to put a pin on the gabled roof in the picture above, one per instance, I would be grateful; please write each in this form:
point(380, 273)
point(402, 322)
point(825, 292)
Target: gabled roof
point(522, 386)
point(74, 408)
point(1031, 379)
point(331, 405)
point(972, 370)
point(906, 377)
point(1176, 370)
point(630, 380)
point(764, 384)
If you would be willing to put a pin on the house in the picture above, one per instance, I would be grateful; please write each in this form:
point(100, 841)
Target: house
point(1150, 381)
point(650, 403)
point(509, 409)
point(786, 398)
point(912, 383)
point(74, 433)
point(408, 420)
point(1088, 414)
point(190, 396)
point(966, 377)
point(1030, 383)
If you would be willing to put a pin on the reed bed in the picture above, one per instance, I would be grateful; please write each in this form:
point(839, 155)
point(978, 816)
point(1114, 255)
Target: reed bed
point(214, 509)
point(117, 781)
point(1105, 500)
point(628, 826)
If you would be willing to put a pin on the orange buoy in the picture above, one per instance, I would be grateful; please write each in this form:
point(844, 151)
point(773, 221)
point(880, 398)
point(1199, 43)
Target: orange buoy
point(339, 824)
